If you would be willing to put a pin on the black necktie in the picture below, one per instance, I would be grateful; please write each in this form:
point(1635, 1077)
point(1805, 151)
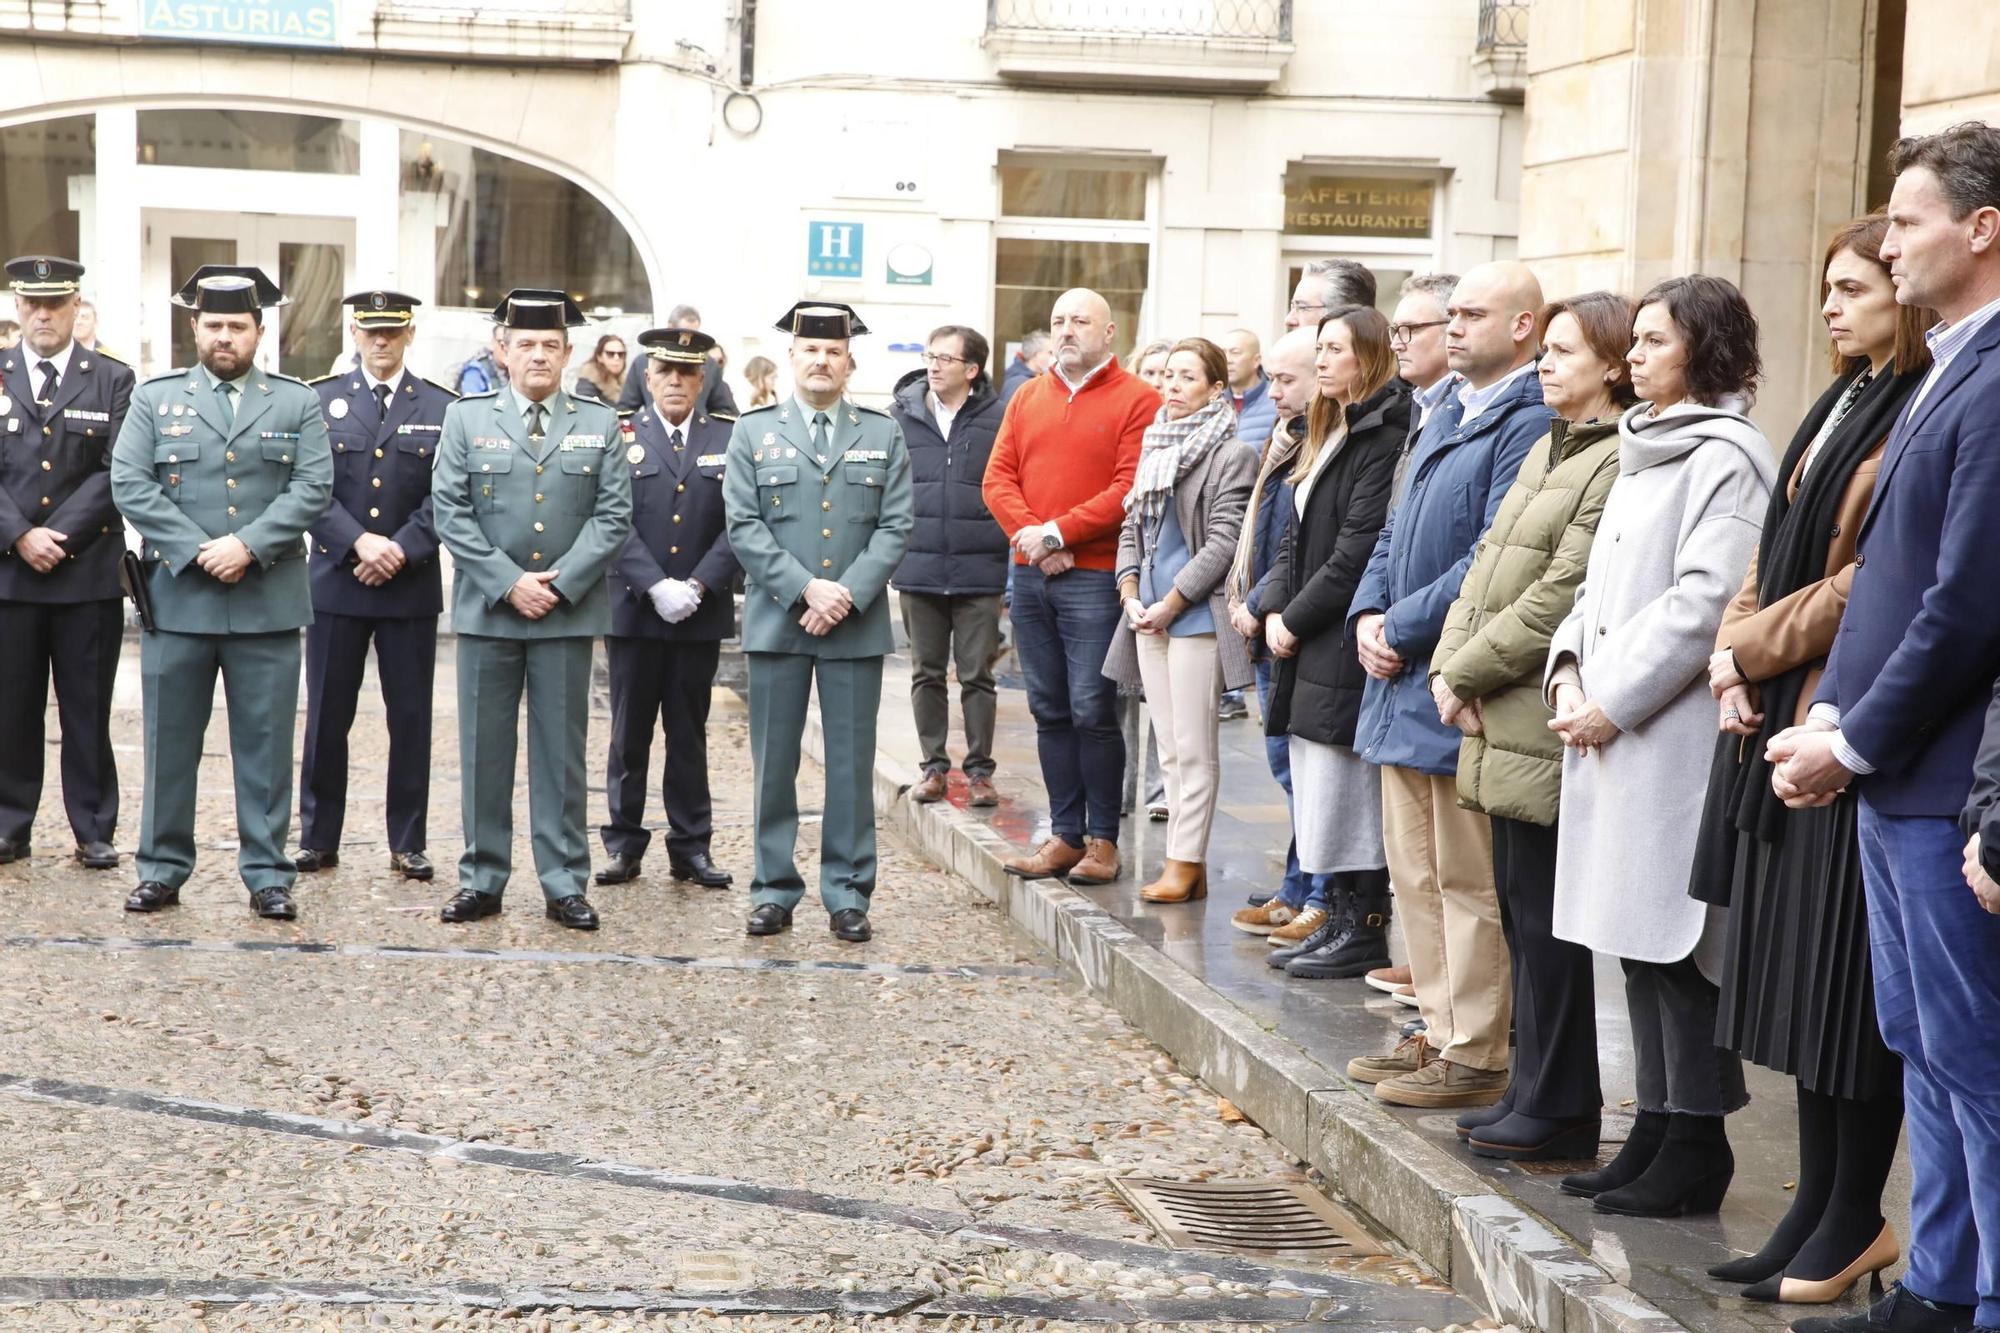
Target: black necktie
point(537, 414)
point(382, 395)
point(48, 393)
point(674, 439)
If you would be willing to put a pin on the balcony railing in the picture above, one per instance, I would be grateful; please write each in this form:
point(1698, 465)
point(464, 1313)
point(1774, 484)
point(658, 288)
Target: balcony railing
point(1503, 25)
point(574, 30)
point(1268, 20)
point(1230, 45)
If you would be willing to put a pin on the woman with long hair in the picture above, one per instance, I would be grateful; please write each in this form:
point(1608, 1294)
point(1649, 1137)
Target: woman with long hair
point(1340, 476)
point(1797, 984)
point(1150, 362)
point(603, 376)
point(1182, 518)
point(761, 373)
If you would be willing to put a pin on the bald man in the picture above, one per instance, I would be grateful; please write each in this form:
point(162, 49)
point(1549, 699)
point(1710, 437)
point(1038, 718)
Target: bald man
point(1249, 387)
point(1056, 482)
point(1441, 856)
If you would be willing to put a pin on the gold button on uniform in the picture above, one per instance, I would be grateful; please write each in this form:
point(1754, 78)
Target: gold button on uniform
point(231, 483)
point(538, 497)
point(45, 500)
point(374, 513)
point(677, 518)
point(229, 457)
point(826, 504)
point(232, 511)
point(673, 550)
point(376, 482)
point(538, 469)
point(534, 555)
point(378, 453)
point(679, 487)
point(826, 564)
point(538, 527)
point(826, 532)
point(47, 465)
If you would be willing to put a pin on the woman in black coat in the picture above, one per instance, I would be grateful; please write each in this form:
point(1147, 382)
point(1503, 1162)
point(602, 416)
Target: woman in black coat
point(1340, 497)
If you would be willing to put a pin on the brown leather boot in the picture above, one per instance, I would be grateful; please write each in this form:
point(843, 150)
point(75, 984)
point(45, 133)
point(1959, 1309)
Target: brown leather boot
point(1052, 860)
point(929, 790)
point(1099, 864)
point(1179, 882)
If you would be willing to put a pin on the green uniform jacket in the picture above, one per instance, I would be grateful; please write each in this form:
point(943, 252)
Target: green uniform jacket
point(181, 473)
point(792, 520)
point(505, 507)
point(1523, 580)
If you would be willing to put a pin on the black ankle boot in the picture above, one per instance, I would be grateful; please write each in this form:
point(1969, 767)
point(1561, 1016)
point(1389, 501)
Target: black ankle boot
point(1365, 946)
point(1642, 1145)
point(1688, 1177)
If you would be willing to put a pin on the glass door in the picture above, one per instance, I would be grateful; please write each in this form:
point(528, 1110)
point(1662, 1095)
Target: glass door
point(310, 258)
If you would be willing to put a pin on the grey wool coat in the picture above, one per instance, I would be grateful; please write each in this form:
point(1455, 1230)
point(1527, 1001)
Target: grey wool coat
point(1678, 530)
point(1210, 502)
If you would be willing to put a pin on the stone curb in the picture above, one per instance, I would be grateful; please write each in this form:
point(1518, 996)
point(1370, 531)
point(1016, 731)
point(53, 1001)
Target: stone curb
point(1487, 1246)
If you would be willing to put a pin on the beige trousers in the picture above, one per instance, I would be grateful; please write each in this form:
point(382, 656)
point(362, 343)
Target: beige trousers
point(1183, 682)
point(1441, 864)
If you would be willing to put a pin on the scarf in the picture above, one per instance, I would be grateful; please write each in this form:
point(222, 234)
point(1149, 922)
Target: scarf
point(1172, 449)
point(1790, 556)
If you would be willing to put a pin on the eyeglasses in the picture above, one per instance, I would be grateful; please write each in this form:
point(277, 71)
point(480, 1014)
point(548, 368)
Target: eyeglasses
point(619, 356)
point(1300, 307)
point(940, 359)
point(1402, 333)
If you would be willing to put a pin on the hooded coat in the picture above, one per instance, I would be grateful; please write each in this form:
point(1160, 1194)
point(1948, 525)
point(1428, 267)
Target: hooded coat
point(1678, 531)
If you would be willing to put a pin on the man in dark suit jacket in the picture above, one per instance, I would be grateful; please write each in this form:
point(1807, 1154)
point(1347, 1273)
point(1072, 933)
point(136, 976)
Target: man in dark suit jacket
point(61, 405)
point(671, 607)
point(375, 576)
point(1899, 714)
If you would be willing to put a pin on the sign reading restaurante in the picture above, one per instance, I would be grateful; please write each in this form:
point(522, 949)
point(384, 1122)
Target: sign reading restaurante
point(1357, 205)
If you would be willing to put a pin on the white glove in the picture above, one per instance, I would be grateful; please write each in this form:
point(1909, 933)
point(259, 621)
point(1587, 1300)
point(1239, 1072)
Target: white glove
point(674, 600)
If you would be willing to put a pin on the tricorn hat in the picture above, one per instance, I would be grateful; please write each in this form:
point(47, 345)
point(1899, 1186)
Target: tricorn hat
point(822, 319)
point(229, 289)
point(537, 308)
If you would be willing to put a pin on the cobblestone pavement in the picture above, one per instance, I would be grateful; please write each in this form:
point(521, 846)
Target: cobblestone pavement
point(370, 1119)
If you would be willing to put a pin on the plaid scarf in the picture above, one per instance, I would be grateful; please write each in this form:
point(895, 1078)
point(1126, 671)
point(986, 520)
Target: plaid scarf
point(1172, 449)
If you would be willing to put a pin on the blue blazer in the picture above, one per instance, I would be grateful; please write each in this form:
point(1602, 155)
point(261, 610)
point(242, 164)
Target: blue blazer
point(1919, 644)
point(381, 484)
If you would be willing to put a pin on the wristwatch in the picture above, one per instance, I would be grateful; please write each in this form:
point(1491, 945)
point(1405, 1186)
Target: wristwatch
point(1051, 542)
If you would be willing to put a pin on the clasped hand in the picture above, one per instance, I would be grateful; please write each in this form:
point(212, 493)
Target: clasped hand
point(1581, 722)
point(1456, 712)
point(1371, 639)
point(377, 559)
point(1804, 772)
point(532, 596)
point(827, 604)
point(674, 600)
point(225, 559)
point(1978, 880)
point(1154, 619)
point(41, 548)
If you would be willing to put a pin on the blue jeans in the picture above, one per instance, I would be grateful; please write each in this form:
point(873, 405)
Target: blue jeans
point(1062, 631)
point(1298, 889)
point(1937, 987)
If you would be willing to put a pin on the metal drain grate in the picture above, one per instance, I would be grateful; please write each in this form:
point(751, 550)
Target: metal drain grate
point(1268, 1218)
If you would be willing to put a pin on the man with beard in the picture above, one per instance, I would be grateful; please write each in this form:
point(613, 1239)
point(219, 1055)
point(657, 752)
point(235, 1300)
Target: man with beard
point(222, 468)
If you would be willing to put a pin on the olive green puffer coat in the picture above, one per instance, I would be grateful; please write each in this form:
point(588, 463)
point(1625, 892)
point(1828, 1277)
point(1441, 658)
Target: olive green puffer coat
point(1523, 580)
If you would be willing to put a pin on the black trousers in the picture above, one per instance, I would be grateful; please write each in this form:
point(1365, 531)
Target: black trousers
point(1676, 1063)
point(77, 642)
point(652, 681)
point(1555, 1000)
point(406, 662)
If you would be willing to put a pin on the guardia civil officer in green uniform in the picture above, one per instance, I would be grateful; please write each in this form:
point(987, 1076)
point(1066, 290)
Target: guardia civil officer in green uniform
point(533, 499)
point(222, 468)
point(817, 491)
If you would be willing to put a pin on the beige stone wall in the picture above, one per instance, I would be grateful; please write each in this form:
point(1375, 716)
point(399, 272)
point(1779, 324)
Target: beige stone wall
point(1951, 64)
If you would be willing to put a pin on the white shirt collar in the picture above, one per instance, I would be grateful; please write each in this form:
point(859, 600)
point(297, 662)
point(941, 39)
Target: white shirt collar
point(944, 415)
point(1076, 385)
point(394, 382)
point(685, 427)
point(1475, 401)
point(61, 360)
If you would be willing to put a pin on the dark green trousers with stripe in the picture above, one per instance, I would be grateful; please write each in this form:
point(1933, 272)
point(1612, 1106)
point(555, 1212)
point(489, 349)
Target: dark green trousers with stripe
point(850, 694)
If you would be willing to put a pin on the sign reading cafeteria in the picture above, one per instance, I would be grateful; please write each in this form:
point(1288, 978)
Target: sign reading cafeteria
point(1357, 205)
point(280, 22)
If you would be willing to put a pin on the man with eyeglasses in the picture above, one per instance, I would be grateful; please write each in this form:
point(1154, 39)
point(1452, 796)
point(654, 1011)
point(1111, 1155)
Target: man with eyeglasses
point(1328, 284)
point(955, 569)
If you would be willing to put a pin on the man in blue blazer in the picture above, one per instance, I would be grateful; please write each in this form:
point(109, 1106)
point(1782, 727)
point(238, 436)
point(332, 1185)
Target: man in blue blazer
point(1899, 714)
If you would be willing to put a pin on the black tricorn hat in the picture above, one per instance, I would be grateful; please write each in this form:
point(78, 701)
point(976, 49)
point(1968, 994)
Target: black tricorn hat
point(382, 309)
point(229, 289)
point(44, 275)
point(822, 319)
point(537, 308)
point(680, 347)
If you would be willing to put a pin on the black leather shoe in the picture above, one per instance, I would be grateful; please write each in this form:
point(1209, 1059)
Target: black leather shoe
point(696, 868)
point(13, 849)
point(768, 919)
point(151, 896)
point(273, 904)
point(1898, 1312)
point(620, 869)
point(574, 912)
point(97, 856)
point(851, 924)
point(309, 860)
point(411, 865)
point(467, 905)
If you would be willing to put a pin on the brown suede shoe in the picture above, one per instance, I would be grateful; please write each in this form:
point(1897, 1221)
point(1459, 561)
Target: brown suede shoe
point(930, 790)
point(1410, 1055)
point(1444, 1082)
point(979, 793)
point(1298, 928)
point(1052, 860)
point(1263, 920)
point(1389, 978)
point(1099, 864)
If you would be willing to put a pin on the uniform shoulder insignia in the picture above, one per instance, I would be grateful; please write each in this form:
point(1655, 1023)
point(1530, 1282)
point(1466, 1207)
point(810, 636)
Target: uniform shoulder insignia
point(103, 355)
point(324, 378)
point(483, 393)
point(872, 411)
point(721, 416)
point(279, 377)
point(166, 375)
point(768, 407)
point(449, 393)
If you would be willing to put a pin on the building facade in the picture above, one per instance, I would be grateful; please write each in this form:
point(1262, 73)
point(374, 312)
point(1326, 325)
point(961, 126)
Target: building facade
point(962, 161)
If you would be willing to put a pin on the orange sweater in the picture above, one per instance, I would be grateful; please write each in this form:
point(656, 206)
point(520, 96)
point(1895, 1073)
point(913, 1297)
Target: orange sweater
point(1069, 459)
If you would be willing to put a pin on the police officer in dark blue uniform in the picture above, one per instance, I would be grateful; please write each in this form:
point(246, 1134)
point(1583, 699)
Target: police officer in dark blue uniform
point(671, 607)
point(61, 405)
point(374, 577)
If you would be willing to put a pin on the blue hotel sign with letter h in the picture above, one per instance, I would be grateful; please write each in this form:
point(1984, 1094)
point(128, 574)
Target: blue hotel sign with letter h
point(833, 250)
point(275, 22)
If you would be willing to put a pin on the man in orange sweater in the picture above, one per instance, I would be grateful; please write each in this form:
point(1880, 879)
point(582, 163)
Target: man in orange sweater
point(1056, 483)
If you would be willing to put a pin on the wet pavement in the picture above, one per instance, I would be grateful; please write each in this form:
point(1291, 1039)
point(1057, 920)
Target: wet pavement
point(1333, 1021)
point(369, 1119)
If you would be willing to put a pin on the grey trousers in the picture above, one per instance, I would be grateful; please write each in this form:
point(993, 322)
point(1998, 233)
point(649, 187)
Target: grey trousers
point(943, 630)
point(1677, 1065)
